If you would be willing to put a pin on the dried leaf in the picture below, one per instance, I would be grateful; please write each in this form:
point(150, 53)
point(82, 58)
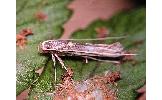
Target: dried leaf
point(93, 88)
point(23, 95)
point(21, 39)
point(41, 16)
point(39, 71)
point(91, 11)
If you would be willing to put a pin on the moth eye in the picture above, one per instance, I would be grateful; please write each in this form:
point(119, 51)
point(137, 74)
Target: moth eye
point(47, 46)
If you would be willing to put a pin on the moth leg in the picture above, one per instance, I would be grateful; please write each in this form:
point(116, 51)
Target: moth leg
point(103, 60)
point(61, 62)
point(54, 63)
point(54, 60)
point(86, 60)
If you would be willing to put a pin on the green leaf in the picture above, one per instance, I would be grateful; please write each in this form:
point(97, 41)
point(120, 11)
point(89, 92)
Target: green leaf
point(131, 24)
point(44, 85)
point(28, 59)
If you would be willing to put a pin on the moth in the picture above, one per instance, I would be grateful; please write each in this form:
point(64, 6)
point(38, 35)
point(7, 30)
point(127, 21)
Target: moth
point(59, 48)
point(68, 47)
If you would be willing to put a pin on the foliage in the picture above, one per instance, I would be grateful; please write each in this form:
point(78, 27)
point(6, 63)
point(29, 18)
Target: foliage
point(28, 59)
point(130, 24)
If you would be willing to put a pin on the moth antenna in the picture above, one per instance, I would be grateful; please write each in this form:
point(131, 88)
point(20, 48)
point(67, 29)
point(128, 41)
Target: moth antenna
point(120, 37)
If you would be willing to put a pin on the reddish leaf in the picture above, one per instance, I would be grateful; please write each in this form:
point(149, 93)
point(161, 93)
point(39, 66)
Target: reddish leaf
point(21, 39)
point(41, 16)
point(91, 11)
point(23, 95)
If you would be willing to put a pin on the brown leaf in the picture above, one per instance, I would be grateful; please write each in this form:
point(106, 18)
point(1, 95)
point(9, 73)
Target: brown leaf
point(142, 91)
point(87, 11)
point(21, 39)
point(39, 71)
point(26, 32)
point(41, 16)
point(23, 95)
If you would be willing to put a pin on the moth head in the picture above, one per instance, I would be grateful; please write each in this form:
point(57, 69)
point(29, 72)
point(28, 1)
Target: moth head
point(45, 47)
point(51, 45)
